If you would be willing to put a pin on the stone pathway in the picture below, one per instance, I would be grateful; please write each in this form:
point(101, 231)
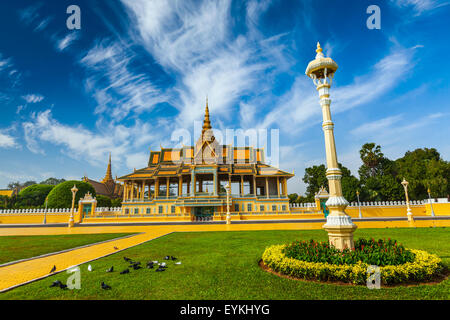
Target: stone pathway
point(20, 273)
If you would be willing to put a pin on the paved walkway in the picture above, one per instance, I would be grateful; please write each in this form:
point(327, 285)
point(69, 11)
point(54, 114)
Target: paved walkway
point(30, 270)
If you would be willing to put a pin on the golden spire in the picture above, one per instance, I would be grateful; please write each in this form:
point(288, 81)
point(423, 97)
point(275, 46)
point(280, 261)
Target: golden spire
point(206, 122)
point(108, 176)
point(319, 48)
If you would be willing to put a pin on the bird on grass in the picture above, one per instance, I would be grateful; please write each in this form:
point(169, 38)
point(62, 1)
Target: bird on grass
point(105, 286)
point(160, 269)
point(126, 259)
point(56, 283)
point(125, 271)
point(89, 268)
point(162, 265)
point(150, 265)
point(173, 258)
point(136, 266)
point(166, 258)
point(178, 263)
point(115, 248)
point(53, 269)
point(62, 286)
point(110, 269)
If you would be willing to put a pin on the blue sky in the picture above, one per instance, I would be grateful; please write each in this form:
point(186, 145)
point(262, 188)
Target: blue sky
point(140, 70)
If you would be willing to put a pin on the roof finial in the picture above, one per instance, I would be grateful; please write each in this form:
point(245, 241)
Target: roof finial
point(319, 48)
point(206, 122)
point(108, 176)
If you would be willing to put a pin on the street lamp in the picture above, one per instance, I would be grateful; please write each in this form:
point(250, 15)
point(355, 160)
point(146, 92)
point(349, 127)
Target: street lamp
point(74, 192)
point(431, 204)
point(359, 204)
point(408, 211)
point(228, 188)
point(339, 225)
point(45, 213)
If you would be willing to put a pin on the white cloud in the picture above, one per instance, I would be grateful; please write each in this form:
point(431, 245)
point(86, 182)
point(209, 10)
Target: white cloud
point(7, 141)
point(376, 126)
point(33, 98)
point(80, 143)
point(65, 42)
point(420, 6)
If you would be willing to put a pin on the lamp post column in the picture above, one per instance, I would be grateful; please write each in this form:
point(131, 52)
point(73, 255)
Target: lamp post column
point(359, 204)
point(228, 188)
point(431, 204)
point(339, 225)
point(408, 210)
point(71, 219)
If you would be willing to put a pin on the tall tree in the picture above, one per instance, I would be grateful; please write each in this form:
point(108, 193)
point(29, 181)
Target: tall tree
point(371, 157)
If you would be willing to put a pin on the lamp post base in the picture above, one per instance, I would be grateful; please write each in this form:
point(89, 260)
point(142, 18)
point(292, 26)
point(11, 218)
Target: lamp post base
point(228, 219)
point(340, 230)
point(71, 222)
point(410, 216)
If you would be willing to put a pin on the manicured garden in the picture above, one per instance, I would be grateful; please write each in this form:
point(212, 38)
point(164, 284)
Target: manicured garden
point(13, 248)
point(224, 265)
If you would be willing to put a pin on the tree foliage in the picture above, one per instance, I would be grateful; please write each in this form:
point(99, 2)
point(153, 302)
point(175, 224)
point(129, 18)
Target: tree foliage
point(61, 196)
point(103, 201)
point(33, 196)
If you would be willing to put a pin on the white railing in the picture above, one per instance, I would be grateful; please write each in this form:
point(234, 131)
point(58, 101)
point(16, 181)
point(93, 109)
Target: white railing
point(387, 203)
point(106, 209)
point(36, 211)
point(302, 205)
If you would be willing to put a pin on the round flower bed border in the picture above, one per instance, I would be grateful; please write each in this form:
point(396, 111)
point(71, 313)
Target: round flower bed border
point(425, 267)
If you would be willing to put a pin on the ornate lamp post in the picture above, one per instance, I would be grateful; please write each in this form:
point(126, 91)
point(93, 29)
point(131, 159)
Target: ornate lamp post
point(74, 192)
point(359, 204)
point(45, 213)
point(339, 225)
point(228, 188)
point(431, 202)
point(408, 211)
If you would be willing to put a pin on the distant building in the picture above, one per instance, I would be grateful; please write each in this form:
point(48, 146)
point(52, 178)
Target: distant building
point(8, 193)
point(108, 186)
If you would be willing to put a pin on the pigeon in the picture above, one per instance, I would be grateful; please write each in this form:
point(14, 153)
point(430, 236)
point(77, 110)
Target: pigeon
point(126, 259)
point(62, 286)
point(150, 265)
point(173, 258)
point(105, 286)
point(155, 262)
point(125, 271)
point(57, 283)
point(178, 263)
point(162, 264)
point(160, 269)
point(110, 269)
point(115, 248)
point(136, 266)
point(53, 269)
point(166, 258)
point(89, 268)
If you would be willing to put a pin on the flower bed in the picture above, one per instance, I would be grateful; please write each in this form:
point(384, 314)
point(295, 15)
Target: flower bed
point(351, 266)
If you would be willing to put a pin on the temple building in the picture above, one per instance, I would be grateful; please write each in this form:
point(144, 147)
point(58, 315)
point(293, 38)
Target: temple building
point(108, 186)
point(190, 181)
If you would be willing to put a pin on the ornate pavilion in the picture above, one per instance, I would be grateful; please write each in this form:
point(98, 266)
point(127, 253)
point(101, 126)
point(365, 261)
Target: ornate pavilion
point(191, 181)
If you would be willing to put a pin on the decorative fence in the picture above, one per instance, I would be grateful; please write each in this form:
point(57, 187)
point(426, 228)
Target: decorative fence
point(387, 203)
point(302, 205)
point(36, 211)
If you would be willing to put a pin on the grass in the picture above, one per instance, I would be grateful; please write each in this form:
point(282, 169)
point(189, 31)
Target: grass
point(224, 265)
point(13, 248)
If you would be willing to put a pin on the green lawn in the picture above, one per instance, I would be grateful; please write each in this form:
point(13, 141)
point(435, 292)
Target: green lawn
point(22, 247)
point(224, 265)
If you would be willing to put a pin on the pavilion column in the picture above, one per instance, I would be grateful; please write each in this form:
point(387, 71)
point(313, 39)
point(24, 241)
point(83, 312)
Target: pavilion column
point(242, 186)
point(192, 183)
point(167, 187)
point(254, 186)
point(267, 187)
point(156, 187)
point(132, 191)
point(124, 192)
point(284, 187)
point(143, 190)
point(180, 185)
point(215, 182)
point(278, 186)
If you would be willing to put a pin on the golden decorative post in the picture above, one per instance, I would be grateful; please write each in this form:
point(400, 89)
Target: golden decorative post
point(408, 211)
point(339, 225)
point(74, 192)
point(228, 188)
point(431, 202)
point(359, 204)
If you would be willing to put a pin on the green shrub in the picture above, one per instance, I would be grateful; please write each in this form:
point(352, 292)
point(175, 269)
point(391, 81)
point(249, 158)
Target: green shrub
point(33, 196)
point(61, 196)
point(116, 202)
point(103, 201)
point(380, 253)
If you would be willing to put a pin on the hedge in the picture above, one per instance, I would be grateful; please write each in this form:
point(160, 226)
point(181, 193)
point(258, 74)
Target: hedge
point(424, 268)
point(61, 196)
